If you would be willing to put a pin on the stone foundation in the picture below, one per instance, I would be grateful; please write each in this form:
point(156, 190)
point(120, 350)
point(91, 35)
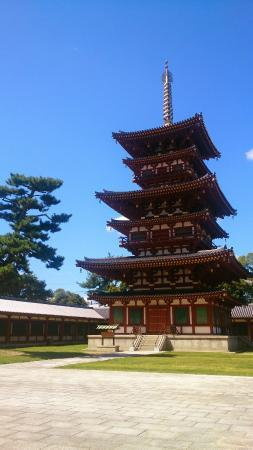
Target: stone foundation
point(196, 343)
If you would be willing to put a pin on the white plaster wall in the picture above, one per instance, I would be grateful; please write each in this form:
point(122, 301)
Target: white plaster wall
point(202, 329)
point(186, 330)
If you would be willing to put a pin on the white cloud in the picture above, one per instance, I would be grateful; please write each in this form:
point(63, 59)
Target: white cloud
point(121, 218)
point(109, 229)
point(249, 154)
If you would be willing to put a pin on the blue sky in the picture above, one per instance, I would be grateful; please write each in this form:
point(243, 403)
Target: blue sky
point(74, 71)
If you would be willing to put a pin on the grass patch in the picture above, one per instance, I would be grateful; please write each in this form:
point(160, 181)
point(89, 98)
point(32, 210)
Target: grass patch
point(36, 353)
point(178, 362)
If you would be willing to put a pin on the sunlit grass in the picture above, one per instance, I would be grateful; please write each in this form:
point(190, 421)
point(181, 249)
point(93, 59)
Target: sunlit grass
point(178, 362)
point(26, 354)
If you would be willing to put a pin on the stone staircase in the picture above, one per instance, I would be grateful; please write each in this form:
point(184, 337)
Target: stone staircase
point(148, 343)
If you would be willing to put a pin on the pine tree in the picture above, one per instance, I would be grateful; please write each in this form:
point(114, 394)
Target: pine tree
point(25, 204)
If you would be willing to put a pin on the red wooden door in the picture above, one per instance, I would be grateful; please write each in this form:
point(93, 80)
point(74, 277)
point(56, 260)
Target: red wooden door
point(157, 319)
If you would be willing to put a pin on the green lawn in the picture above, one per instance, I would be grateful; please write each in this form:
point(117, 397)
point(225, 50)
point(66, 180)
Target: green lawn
point(178, 362)
point(25, 354)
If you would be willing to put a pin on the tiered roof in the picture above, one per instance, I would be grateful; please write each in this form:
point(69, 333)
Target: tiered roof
point(224, 257)
point(194, 127)
point(190, 153)
point(203, 217)
point(125, 202)
point(197, 198)
point(218, 296)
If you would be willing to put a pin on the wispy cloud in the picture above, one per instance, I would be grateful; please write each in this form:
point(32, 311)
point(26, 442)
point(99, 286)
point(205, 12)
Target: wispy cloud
point(121, 218)
point(116, 218)
point(249, 154)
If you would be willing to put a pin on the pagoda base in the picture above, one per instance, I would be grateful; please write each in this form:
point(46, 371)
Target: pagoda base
point(189, 343)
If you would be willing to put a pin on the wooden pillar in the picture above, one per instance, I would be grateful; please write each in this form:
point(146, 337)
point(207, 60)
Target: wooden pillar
point(88, 327)
point(147, 316)
point(168, 318)
point(171, 316)
point(125, 317)
point(61, 331)
point(144, 315)
point(28, 329)
point(193, 316)
point(111, 315)
point(8, 330)
point(46, 330)
point(74, 337)
point(211, 316)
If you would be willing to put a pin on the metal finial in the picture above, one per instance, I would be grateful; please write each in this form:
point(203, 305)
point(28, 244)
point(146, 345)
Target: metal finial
point(167, 96)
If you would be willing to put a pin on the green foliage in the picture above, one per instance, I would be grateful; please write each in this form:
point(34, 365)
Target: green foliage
point(33, 289)
point(23, 286)
point(67, 298)
point(247, 261)
point(25, 204)
point(95, 282)
point(242, 289)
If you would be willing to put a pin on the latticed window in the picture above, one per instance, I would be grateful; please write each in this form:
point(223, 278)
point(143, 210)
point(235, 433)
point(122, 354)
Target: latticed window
point(69, 329)
point(118, 314)
point(181, 315)
point(183, 231)
point(138, 236)
point(37, 328)
point(53, 329)
point(19, 327)
point(201, 315)
point(135, 315)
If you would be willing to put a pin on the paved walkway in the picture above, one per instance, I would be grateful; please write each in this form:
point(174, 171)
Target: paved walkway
point(44, 407)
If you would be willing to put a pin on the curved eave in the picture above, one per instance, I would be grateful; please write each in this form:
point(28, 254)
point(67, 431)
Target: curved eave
point(190, 153)
point(199, 243)
point(126, 139)
point(207, 181)
point(133, 163)
point(107, 298)
point(123, 264)
point(124, 226)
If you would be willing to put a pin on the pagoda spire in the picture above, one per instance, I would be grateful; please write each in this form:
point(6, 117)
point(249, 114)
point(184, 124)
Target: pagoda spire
point(167, 96)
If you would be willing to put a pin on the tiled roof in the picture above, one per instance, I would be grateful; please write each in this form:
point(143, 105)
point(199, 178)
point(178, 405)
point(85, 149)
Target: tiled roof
point(126, 296)
point(243, 312)
point(193, 122)
point(189, 151)
point(151, 192)
point(204, 215)
point(207, 181)
point(104, 311)
point(20, 307)
point(98, 265)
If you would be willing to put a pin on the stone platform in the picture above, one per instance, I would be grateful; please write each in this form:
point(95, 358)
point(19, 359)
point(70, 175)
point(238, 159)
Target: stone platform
point(205, 343)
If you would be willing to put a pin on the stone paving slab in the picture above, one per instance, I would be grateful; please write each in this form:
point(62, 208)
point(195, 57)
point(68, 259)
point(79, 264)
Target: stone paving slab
point(45, 408)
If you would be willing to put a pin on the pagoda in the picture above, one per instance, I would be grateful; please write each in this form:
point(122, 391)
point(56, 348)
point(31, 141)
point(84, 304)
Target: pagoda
point(173, 276)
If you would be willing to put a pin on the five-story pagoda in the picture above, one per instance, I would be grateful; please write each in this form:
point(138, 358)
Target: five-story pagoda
point(173, 273)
